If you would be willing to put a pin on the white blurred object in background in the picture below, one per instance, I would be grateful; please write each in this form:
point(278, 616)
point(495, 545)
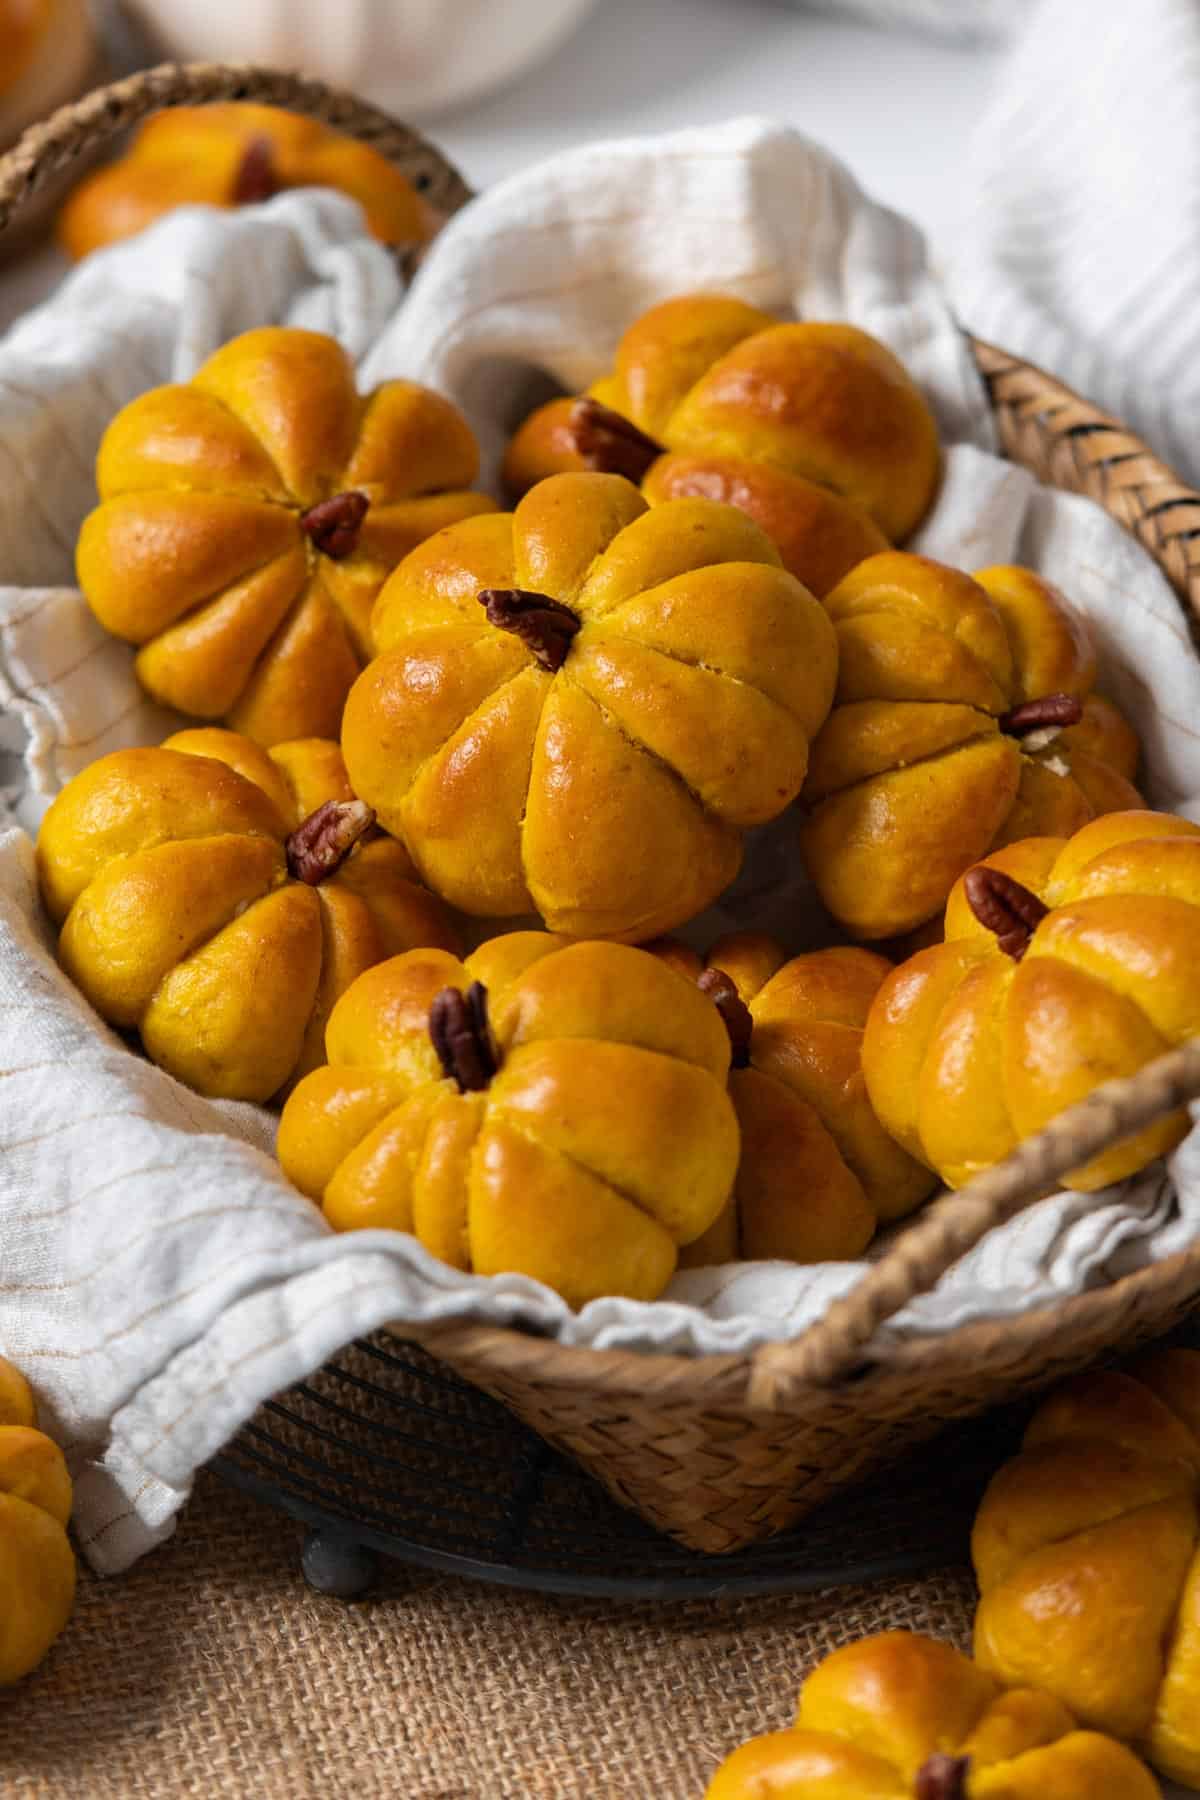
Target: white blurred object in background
point(414, 57)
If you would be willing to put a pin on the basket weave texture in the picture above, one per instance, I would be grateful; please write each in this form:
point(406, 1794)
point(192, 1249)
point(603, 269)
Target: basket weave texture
point(721, 1450)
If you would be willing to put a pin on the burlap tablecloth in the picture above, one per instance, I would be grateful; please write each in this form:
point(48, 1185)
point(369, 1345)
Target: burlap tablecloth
point(212, 1670)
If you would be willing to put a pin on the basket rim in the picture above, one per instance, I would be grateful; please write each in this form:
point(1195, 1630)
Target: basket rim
point(523, 1355)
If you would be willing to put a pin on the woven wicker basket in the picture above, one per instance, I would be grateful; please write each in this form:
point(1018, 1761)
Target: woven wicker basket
point(720, 1450)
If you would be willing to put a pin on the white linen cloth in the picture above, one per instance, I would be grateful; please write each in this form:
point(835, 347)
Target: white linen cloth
point(159, 1276)
point(1079, 245)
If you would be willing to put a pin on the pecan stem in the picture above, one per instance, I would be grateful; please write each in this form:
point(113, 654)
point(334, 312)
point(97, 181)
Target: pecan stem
point(461, 1035)
point(609, 442)
point(1053, 711)
point(1005, 907)
point(321, 843)
point(943, 1777)
point(733, 1009)
point(334, 524)
point(545, 626)
point(256, 177)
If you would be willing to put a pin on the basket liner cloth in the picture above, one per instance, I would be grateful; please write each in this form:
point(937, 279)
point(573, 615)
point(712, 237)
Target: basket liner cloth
point(1069, 246)
point(158, 1276)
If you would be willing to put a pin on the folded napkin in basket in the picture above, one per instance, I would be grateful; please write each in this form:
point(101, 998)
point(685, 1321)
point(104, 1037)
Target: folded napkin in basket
point(160, 1278)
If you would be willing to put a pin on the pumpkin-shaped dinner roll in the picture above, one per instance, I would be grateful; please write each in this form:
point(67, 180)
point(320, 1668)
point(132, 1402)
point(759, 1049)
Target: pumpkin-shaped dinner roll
point(1066, 963)
point(902, 1717)
point(37, 1564)
point(818, 1172)
point(1085, 1548)
point(819, 534)
point(552, 1108)
point(578, 707)
point(234, 155)
point(814, 429)
point(218, 898)
point(964, 720)
point(248, 518)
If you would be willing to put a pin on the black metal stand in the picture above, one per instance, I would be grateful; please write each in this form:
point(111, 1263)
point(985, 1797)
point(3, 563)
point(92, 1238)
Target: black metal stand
point(386, 1452)
point(336, 1563)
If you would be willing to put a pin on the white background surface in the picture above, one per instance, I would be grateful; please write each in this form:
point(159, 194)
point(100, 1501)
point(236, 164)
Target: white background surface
point(897, 108)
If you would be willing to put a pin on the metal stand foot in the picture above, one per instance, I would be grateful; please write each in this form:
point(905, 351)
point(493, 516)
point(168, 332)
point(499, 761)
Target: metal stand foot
point(335, 1563)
